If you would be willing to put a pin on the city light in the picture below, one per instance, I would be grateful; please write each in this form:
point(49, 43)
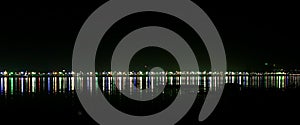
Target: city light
point(139, 73)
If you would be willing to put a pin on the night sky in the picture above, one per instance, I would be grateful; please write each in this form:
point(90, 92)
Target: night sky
point(41, 36)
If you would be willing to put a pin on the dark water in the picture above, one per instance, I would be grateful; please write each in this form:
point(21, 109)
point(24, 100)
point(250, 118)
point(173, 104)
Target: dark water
point(269, 98)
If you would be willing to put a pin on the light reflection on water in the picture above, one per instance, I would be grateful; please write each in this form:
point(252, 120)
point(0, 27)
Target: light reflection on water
point(56, 85)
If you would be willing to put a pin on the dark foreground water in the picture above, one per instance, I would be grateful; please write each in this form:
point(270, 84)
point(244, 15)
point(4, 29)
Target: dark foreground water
point(246, 98)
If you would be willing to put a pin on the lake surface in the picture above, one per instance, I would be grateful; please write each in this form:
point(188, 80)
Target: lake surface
point(53, 85)
point(35, 100)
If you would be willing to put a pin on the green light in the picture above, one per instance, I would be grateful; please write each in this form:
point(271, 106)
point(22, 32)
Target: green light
point(266, 64)
point(11, 85)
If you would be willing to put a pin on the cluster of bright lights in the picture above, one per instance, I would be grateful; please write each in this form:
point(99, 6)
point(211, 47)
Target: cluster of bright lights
point(134, 73)
point(27, 73)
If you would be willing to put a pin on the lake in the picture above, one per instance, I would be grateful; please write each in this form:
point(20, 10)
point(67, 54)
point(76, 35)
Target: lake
point(52, 99)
